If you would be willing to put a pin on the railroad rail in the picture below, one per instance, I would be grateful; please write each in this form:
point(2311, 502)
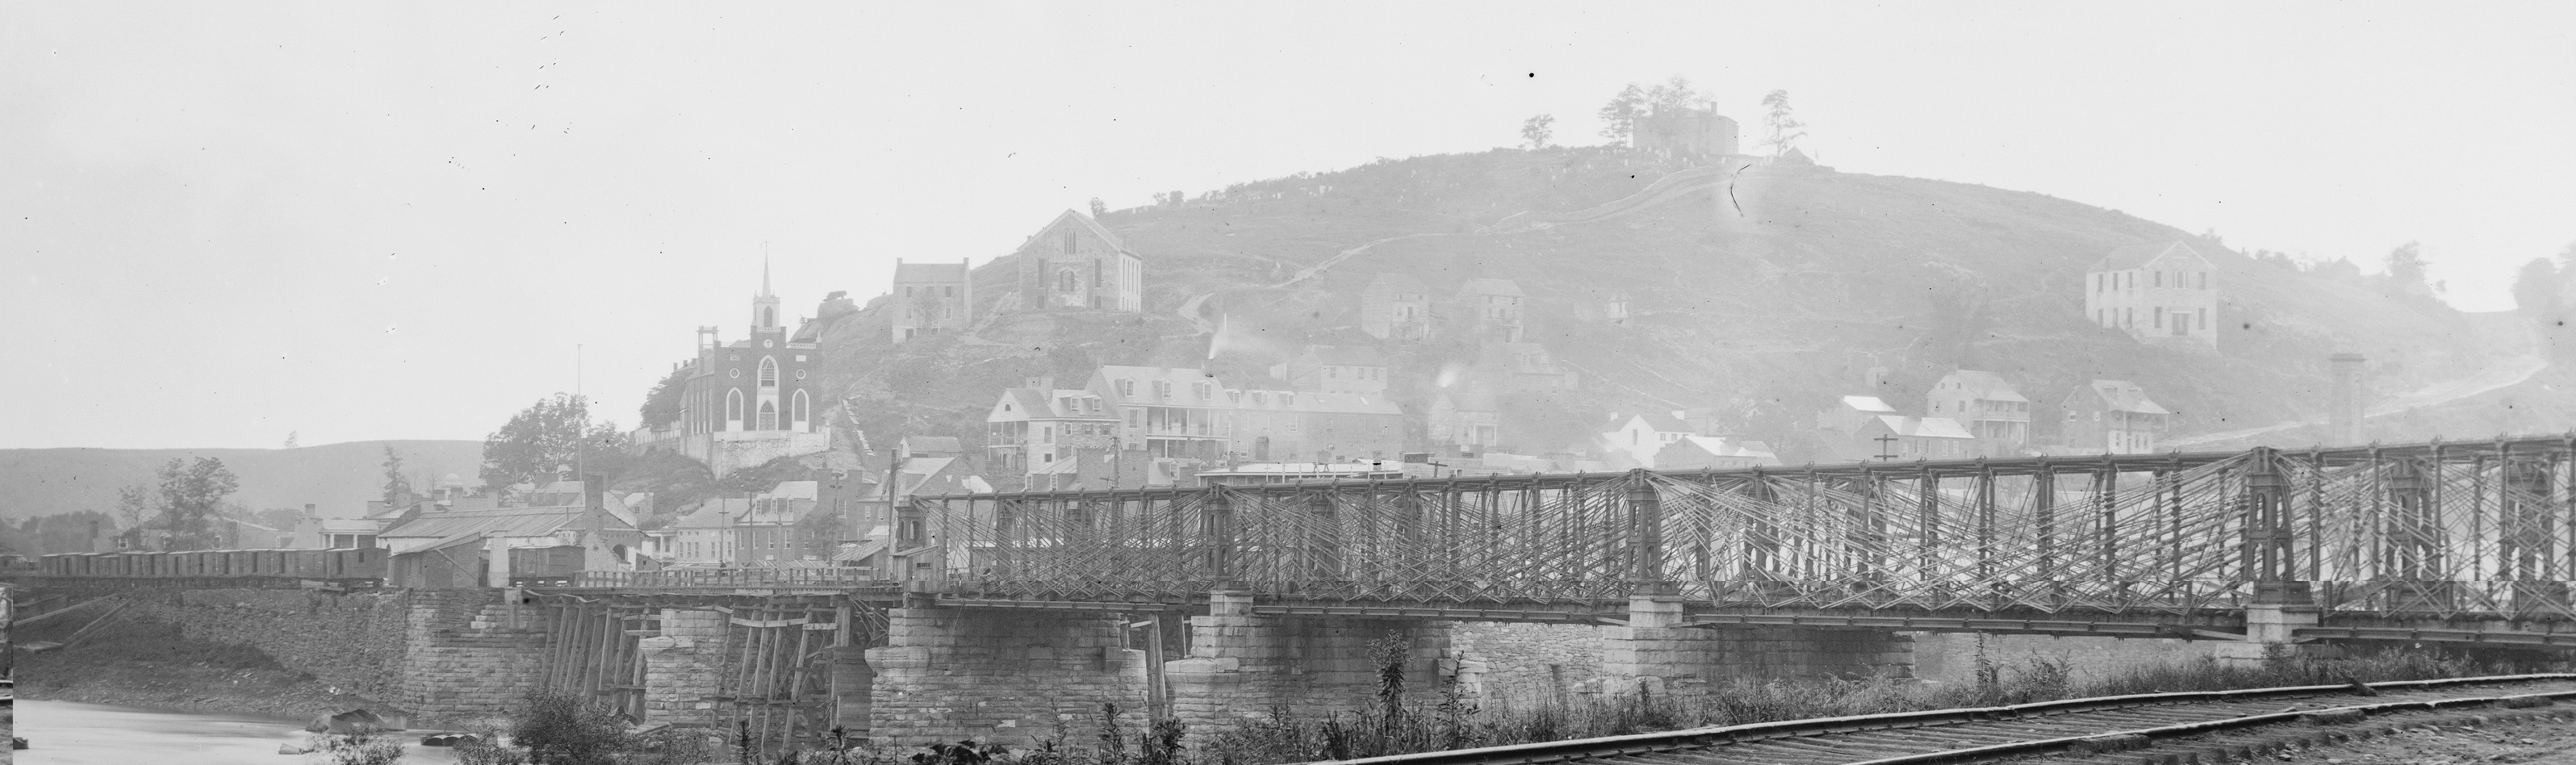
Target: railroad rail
point(1979, 734)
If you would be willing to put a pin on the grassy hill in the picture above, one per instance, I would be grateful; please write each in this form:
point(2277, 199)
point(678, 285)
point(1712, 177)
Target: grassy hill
point(337, 479)
point(1765, 298)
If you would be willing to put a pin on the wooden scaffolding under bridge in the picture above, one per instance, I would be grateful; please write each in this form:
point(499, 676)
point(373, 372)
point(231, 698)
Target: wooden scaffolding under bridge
point(776, 689)
point(591, 653)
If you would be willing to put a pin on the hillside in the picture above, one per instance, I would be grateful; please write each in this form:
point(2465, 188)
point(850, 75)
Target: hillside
point(1766, 298)
point(337, 479)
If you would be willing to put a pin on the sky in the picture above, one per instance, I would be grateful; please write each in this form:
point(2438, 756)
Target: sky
point(224, 223)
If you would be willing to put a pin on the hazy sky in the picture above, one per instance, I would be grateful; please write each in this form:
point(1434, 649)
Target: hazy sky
point(226, 222)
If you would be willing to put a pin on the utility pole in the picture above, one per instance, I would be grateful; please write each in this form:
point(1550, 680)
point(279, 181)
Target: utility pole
point(1884, 442)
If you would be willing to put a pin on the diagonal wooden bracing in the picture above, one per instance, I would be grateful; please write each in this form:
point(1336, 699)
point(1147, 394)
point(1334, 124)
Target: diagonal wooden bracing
point(2442, 530)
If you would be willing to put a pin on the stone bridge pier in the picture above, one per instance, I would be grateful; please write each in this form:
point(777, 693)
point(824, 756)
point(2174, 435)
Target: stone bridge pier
point(1011, 677)
point(1245, 665)
point(1661, 653)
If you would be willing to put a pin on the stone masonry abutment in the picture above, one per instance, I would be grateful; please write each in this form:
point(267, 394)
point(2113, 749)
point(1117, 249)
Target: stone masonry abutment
point(1243, 665)
point(1010, 677)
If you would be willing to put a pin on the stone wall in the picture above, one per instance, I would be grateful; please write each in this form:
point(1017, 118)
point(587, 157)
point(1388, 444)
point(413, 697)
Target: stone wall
point(1952, 657)
point(1525, 664)
point(683, 666)
point(999, 676)
point(441, 655)
point(1698, 659)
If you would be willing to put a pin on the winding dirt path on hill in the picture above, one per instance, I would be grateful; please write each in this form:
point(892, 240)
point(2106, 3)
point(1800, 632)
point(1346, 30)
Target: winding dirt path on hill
point(2504, 373)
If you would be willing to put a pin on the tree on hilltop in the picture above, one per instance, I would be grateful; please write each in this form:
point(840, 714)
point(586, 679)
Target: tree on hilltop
point(1619, 117)
point(546, 436)
point(2407, 269)
point(134, 505)
point(1784, 128)
point(1675, 93)
point(1536, 131)
point(190, 495)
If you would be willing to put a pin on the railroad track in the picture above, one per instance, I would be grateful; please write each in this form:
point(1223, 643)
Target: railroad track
point(2104, 724)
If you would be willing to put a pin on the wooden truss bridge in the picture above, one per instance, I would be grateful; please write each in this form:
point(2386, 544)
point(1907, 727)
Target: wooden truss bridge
point(2440, 541)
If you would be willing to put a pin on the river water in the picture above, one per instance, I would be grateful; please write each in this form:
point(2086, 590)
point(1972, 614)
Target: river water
point(66, 733)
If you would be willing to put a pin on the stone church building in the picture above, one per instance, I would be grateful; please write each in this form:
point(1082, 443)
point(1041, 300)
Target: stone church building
point(1074, 263)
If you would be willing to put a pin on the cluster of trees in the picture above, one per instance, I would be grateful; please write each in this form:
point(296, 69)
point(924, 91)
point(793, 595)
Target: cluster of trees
point(549, 436)
point(1619, 117)
point(2544, 291)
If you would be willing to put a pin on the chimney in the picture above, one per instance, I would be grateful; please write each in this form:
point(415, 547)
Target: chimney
point(594, 488)
point(2343, 401)
point(308, 510)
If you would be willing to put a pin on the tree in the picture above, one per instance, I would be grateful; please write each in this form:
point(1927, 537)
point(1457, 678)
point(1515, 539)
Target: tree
point(1675, 93)
point(134, 504)
point(1784, 128)
point(1535, 131)
point(1619, 117)
point(2407, 268)
point(290, 439)
point(1098, 208)
point(190, 495)
point(664, 404)
point(548, 435)
point(397, 486)
point(2535, 288)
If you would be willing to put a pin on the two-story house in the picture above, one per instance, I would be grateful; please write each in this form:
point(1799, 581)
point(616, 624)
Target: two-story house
point(1993, 412)
point(2113, 417)
point(1040, 428)
point(1491, 308)
point(1353, 369)
point(1395, 306)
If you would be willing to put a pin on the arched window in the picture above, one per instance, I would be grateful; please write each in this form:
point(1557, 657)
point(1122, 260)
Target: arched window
point(769, 317)
point(802, 411)
point(1068, 281)
point(768, 415)
point(768, 371)
point(733, 409)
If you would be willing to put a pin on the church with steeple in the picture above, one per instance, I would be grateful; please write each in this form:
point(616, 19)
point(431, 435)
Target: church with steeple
point(752, 400)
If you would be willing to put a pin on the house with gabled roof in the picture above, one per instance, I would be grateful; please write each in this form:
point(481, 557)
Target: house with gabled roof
point(1642, 435)
point(1988, 405)
point(930, 298)
point(1713, 453)
point(2164, 293)
point(2113, 417)
point(1039, 428)
point(1395, 306)
point(1491, 309)
point(1075, 263)
point(1354, 369)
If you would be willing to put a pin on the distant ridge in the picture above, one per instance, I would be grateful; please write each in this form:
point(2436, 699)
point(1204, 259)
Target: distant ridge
point(337, 479)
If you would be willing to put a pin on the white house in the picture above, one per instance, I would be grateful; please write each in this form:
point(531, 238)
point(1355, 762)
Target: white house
point(2164, 293)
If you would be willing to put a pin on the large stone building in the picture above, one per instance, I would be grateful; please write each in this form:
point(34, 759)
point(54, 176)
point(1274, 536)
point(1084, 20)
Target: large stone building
point(930, 298)
point(1995, 413)
point(1684, 130)
point(2113, 417)
point(1075, 263)
point(2163, 293)
point(749, 401)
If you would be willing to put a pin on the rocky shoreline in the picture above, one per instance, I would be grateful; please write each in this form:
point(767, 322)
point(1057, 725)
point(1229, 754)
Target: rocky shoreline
point(148, 665)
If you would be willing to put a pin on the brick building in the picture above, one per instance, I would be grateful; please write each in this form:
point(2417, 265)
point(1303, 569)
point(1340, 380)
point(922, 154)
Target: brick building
point(1075, 263)
point(749, 401)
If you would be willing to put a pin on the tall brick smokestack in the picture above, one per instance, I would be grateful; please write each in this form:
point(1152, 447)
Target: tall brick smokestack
point(594, 489)
point(2343, 404)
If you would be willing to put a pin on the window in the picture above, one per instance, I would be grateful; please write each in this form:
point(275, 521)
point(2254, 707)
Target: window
point(802, 412)
point(769, 317)
point(768, 372)
point(768, 415)
point(2204, 317)
point(1127, 387)
point(2159, 315)
point(1068, 241)
point(952, 291)
point(735, 373)
point(733, 408)
point(1096, 280)
point(1067, 281)
point(2160, 278)
point(2204, 280)
point(800, 374)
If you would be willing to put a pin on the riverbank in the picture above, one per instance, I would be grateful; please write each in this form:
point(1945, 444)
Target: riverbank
point(147, 664)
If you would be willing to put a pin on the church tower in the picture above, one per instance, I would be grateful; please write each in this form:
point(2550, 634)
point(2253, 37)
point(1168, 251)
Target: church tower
point(764, 306)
